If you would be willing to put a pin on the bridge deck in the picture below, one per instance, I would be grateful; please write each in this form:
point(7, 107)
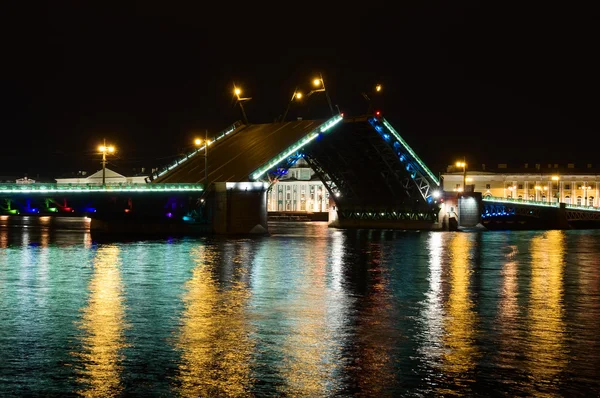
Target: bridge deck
point(233, 159)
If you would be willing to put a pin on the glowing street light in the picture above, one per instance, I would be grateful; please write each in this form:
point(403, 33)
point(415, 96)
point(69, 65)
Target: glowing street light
point(104, 149)
point(319, 82)
point(237, 91)
point(296, 96)
point(378, 88)
point(198, 142)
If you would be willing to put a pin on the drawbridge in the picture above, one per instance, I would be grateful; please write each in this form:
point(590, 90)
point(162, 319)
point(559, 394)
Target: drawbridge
point(370, 171)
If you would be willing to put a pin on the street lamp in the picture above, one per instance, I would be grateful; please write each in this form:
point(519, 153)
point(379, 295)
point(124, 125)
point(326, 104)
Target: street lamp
point(104, 149)
point(319, 84)
point(237, 91)
point(463, 164)
point(296, 96)
point(198, 142)
point(378, 88)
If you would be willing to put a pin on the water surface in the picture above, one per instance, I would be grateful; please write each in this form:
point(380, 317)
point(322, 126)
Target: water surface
point(308, 311)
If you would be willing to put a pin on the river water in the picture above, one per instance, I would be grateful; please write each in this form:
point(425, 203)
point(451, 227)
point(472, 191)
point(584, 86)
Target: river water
point(306, 312)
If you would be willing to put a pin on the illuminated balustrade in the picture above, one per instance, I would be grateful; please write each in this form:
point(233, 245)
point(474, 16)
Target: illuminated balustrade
point(88, 188)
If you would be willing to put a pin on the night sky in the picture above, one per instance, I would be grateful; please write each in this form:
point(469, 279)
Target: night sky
point(506, 84)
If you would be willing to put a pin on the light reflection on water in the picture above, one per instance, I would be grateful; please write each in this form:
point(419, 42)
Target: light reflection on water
point(214, 336)
point(308, 311)
point(460, 324)
point(99, 361)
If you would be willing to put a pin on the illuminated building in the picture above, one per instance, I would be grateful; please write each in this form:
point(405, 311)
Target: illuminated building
point(535, 182)
point(300, 190)
point(112, 177)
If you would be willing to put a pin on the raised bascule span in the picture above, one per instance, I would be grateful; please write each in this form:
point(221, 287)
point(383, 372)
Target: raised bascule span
point(372, 174)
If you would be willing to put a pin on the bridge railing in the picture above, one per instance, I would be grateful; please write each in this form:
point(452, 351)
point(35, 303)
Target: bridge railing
point(220, 135)
point(552, 203)
point(65, 188)
point(582, 207)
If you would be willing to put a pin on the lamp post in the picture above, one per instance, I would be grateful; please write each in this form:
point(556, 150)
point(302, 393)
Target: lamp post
point(237, 91)
point(463, 164)
point(198, 142)
point(104, 149)
point(319, 82)
point(296, 96)
point(378, 88)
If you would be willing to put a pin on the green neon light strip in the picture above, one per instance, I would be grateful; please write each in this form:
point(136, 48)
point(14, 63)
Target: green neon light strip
point(522, 202)
point(83, 188)
point(225, 132)
point(412, 153)
point(290, 150)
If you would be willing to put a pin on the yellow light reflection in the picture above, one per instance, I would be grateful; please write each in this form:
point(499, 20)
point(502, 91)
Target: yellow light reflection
point(44, 238)
point(306, 369)
point(103, 324)
point(546, 344)
point(509, 308)
point(214, 338)
point(460, 326)
point(3, 239)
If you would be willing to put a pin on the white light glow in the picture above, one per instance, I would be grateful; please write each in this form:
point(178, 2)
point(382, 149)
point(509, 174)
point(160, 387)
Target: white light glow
point(247, 186)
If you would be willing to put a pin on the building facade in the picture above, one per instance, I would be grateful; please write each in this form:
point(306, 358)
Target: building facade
point(543, 183)
point(299, 190)
point(111, 178)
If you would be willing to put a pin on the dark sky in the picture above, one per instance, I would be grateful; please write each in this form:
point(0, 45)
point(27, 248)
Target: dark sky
point(506, 83)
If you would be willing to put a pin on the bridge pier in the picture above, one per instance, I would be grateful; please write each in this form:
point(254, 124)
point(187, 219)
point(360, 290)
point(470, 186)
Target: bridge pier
point(238, 208)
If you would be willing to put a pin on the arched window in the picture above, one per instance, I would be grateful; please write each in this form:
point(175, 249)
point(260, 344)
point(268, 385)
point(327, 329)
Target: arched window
point(520, 197)
point(568, 199)
point(579, 201)
point(590, 200)
point(543, 198)
point(488, 195)
point(531, 197)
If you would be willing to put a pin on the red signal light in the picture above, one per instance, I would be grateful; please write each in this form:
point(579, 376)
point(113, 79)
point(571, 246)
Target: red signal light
point(377, 113)
point(342, 114)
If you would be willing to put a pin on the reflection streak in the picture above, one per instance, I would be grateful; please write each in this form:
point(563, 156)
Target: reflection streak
point(459, 337)
point(546, 351)
point(308, 365)
point(433, 312)
point(508, 311)
point(214, 337)
point(103, 324)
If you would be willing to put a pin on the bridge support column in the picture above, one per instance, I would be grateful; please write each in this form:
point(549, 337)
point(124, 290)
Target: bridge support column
point(561, 217)
point(238, 208)
point(470, 207)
